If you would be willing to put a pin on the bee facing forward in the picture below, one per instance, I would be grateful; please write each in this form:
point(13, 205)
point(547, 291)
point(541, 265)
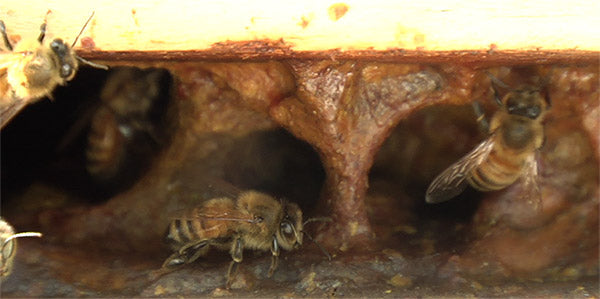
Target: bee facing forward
point(516, 133)
point(253, 220)
point(32, 69)
point(8, 245)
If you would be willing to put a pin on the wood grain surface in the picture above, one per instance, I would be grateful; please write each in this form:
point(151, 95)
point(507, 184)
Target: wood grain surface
point(254, 28)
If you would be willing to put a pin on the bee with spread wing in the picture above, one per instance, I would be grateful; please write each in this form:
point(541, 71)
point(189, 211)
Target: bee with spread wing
point(516, 133)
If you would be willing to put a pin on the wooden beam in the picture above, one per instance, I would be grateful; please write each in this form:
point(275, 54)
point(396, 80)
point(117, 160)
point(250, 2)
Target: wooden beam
point(204, 29)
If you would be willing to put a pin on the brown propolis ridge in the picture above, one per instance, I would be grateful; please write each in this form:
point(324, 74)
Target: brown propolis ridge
point(258, 50)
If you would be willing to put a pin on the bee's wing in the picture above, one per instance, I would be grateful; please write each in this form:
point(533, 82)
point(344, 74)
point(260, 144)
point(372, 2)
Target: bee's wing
point(9, 108)
point(224, 216)
point(231, 216)
point(11, 59)
point(221, 187)
point(531, 192)
point(9, 105)
point(452, 181)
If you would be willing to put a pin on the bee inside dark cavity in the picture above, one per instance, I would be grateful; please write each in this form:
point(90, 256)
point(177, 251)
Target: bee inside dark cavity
point(49, 140)
point(272, 161)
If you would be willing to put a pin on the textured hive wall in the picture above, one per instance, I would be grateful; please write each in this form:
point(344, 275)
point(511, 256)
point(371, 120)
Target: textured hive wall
point(401, 117)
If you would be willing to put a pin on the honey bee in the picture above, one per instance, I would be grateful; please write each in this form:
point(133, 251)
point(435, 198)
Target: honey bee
point(9, 246)
point(131, 108)
point(516, 133)
point(252, 220)
point(31, 69)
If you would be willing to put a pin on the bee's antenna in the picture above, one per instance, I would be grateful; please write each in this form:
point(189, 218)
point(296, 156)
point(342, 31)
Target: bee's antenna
point(96, 65)
point(317, 219)
point(496, 81)
point(544, 86)
point(83, 28)
point(318, 245)
point(21, 235)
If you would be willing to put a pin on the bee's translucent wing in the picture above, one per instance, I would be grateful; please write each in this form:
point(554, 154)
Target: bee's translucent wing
point(531, 192)
point(9, 105)
point(9, 58)
point(223, 216)
point(238, 217)
point(452, 181)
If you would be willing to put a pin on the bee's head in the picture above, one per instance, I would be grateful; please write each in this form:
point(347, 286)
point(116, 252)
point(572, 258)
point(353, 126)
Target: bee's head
point(289, 233)
point(65, 59)
point(525, 101)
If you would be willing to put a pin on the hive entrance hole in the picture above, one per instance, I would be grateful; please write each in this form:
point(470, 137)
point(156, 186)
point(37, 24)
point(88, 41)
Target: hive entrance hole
point(271, 161)
point(277, 163)
point(46, 143)
point(417, 150)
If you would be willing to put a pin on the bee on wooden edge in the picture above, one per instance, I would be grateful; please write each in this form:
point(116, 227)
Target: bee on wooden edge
point(32, 69)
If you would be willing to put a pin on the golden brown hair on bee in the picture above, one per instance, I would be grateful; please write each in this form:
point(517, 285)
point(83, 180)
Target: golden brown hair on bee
point(32, 69)
point(516, 133)
point(8, 246)
point(252, 220)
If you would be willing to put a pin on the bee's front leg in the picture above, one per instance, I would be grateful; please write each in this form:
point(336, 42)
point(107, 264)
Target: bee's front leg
point(481, 119)
point(274, 257)
point(236, 252)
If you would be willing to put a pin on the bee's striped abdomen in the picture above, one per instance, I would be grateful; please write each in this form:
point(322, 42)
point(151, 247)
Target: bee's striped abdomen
point(182, 231)
point(496, 172)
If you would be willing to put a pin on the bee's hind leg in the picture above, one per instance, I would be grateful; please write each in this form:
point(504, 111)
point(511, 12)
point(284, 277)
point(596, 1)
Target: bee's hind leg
point(187, 254)
point(174, 259)
point(5, 36)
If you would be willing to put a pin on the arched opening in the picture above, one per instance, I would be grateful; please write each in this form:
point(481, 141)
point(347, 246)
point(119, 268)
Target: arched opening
point(418, 149)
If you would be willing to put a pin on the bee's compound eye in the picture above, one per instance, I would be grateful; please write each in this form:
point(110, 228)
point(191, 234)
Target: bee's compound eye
point(58, 46)
point(7, 250)
point(55, 46)
point(66, 70)
point(534, 112)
